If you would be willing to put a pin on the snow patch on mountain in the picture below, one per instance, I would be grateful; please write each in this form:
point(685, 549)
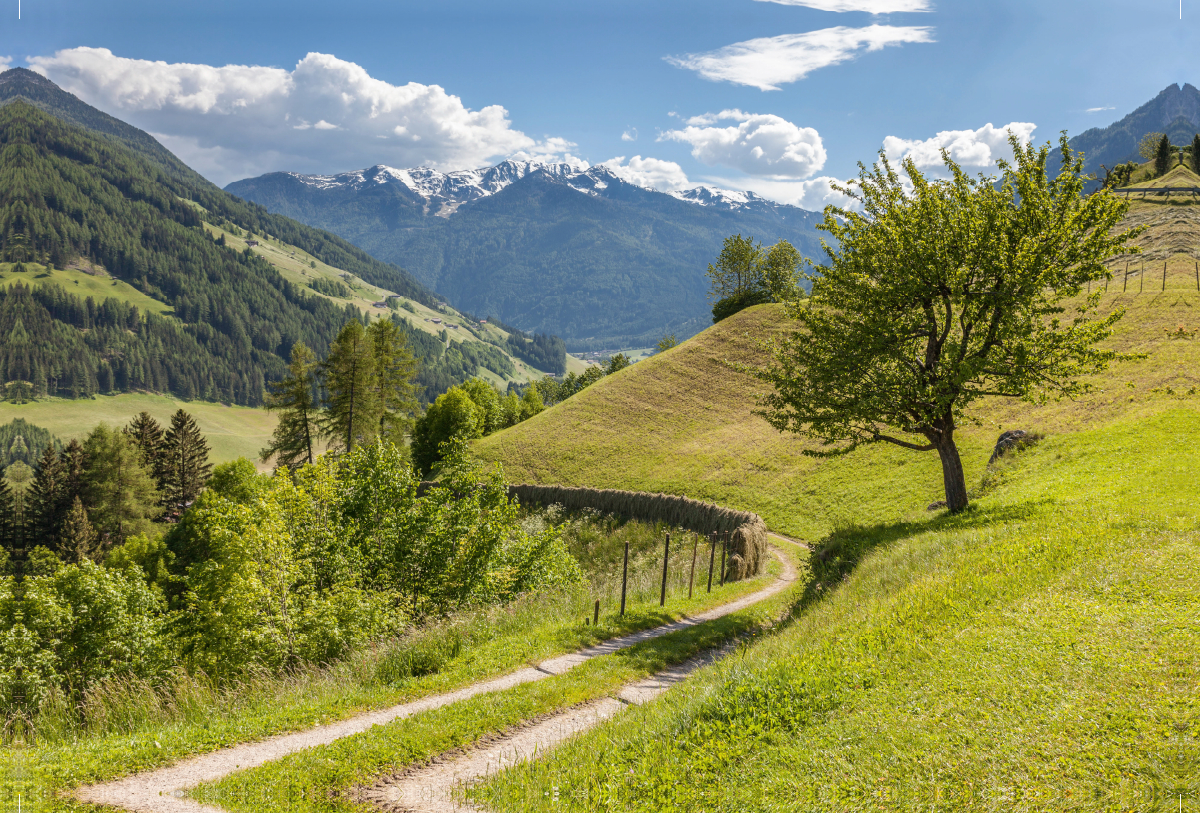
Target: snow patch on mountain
point(444, 192)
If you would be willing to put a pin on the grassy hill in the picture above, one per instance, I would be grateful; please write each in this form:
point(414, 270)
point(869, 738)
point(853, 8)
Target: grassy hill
point(682, 421)
point(1038, 652)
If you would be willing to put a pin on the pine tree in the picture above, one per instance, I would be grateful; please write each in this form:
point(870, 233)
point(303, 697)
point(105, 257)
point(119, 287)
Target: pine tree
point(78, 541)
point(297, 430)
point(147, 435)
point(185, 464)
point(10, 525)
point(44, 501)
point(352, 415)
point(394, 391)
point(119, 492)
point(1196, 153)
point(1162, 156)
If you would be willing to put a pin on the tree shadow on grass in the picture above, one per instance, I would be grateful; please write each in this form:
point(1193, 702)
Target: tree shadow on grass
point(837, 555)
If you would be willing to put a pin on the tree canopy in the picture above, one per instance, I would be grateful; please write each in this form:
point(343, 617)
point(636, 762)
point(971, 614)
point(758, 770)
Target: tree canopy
point(942, 292)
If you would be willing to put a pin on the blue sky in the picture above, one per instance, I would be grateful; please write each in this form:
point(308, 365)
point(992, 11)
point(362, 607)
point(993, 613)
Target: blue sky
point(461, 83)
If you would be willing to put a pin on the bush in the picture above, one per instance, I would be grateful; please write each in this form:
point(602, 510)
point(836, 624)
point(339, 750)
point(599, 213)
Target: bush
point(740, 301)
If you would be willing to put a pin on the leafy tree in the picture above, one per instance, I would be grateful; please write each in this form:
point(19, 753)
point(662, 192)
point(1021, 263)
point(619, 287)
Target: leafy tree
point(738, 268)
point(745, 274)
point(666, 343)
point(395, 368)
point(185, 463)
point(294, 400)
point(352, 413)
point(120, 494)
point(1162, 156)
point(937, 297)
point(453, 415)
point(531, 403)
point(487, 399)
point(1148, 146)
point(618, 362)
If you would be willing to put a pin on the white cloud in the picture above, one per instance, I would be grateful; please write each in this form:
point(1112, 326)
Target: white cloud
point(325, 115)
point(968, 148)
point(552, 150)
point(630, 134)
point(1098, 109)
point(665, 176)
point(5, 62)
point(813, 194)
point(759, 144)
point(869, 6)
point(768, 62)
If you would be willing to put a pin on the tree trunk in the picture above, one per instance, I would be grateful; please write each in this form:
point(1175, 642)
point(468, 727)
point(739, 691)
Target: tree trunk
point(952, 474)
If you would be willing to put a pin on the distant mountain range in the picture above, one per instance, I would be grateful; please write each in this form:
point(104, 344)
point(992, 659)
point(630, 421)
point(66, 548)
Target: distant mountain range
point(549, 247)
point(1175, 111)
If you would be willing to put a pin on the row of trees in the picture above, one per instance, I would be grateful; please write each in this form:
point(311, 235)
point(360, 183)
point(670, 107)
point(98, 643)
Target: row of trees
point(747, 274)
point(470, 410)
point(1157, 147)
point(367, 381)
point(84, 498)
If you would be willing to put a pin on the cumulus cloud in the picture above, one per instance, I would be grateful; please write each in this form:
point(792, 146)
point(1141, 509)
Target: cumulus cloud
point(5, 62)
point(324, 115)
point(869, 6)
point(665, 176)
point(768, 62)
point(629, 135)
point(813, 194)
point(968, 148)
point(758, 144)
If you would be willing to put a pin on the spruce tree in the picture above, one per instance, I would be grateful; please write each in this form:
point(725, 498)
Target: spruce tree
point(1196, 153)
point(147, 435)
point(78, 541)
point(294, 401)
point(44, 501)
point(118, 490)
point(351, 415)
point(10, 524)
point(394, 391)
point(185, 464)
point(1162, 156)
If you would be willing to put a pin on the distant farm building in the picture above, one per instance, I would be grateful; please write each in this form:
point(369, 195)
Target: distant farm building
point(251, 242)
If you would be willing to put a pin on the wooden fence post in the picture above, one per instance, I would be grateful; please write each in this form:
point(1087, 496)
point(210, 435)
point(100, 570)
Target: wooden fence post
point(662, 598)
point(724, 550)
point(1142, 278)
point(712, 556)
point(1164, 285)
point(692, 572)
point(624, 578)
point(596, 614)
point(1125, 284)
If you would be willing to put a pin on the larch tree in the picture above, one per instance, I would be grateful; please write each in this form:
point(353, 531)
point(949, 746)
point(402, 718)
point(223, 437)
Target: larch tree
point(147, 435)
point(942, 292)
point(352, 412)
point(294, 400)
point(120, 493)
point(185, 464)
point(395, 393)
point(78, 541)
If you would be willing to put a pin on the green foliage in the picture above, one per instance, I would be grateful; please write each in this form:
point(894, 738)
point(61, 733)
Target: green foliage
point(745, 274)
point(394, 393)
point(738, 268)
point(330, 287)
point(294, 400)
point(1194, 154)
point(667, 342)
point(453, 415)
point(724, 308)
point(1162, 156)
point(1148, 145)
point(352, 412)
point(21, 440)
point(185, 467)
point(121, 494)
point(904, 334)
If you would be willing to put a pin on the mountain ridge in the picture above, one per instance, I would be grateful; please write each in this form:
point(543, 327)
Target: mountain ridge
point(1174, 111)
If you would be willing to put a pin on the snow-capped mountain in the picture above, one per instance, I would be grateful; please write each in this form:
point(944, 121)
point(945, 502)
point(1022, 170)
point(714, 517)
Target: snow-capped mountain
point(444, 192)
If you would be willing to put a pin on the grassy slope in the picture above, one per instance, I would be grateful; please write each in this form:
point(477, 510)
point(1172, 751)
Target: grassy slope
point(232, 431)
point(94, 282)
point(681, 421)
point(1037, 653)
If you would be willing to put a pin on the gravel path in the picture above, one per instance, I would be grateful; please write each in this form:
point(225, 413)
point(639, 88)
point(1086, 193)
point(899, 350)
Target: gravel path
point(163, 790)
